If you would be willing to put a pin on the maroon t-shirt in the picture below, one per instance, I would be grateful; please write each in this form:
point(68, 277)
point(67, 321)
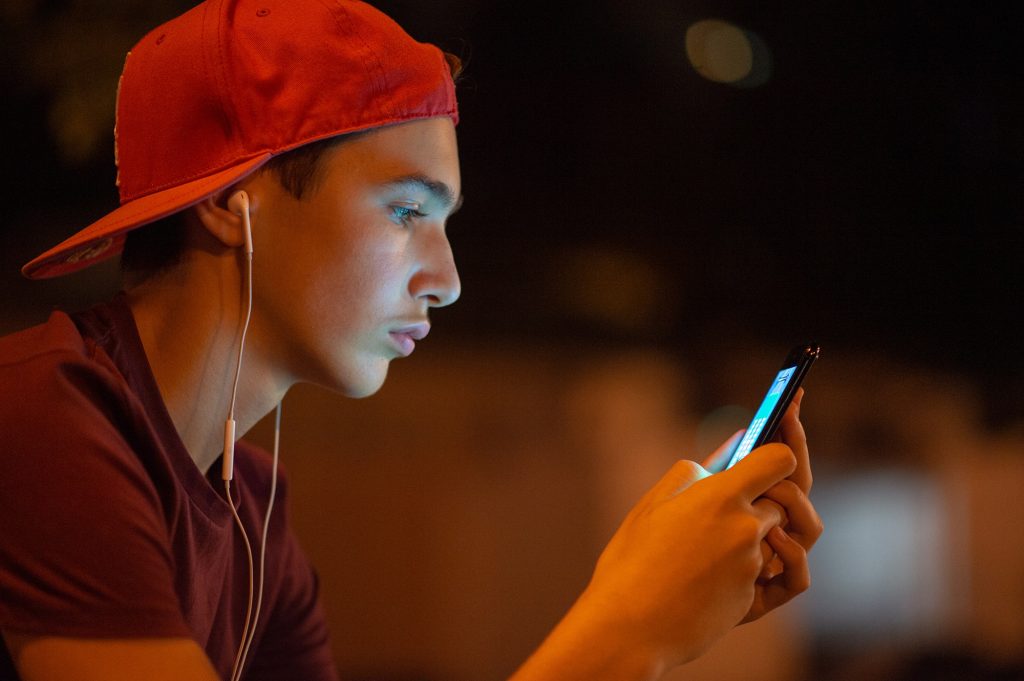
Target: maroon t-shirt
point(108, 528)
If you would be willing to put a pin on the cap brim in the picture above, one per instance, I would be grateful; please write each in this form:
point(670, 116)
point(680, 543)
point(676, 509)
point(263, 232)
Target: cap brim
point(105, 237)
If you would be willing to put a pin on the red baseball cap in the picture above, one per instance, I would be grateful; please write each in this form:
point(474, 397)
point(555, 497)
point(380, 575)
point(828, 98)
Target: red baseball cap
point(210, 96)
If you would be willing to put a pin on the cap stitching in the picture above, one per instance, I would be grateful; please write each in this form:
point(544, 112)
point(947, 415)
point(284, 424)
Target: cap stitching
point(367, 55)
point(220, 71)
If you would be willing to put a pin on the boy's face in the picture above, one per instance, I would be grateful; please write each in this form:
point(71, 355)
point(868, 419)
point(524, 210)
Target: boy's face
point(344, 278)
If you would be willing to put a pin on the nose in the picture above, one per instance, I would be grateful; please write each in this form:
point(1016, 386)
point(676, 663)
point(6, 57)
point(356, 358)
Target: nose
point(437, 279)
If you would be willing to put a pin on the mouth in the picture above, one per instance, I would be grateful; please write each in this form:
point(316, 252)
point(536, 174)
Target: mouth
point(404, 338)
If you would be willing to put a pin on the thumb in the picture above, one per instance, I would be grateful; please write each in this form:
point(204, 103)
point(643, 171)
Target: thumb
point(761, 469)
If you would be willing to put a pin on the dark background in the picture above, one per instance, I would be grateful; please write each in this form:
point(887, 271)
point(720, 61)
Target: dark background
point(868, 194)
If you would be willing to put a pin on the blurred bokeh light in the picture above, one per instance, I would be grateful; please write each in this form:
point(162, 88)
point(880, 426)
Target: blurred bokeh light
point(725, 53)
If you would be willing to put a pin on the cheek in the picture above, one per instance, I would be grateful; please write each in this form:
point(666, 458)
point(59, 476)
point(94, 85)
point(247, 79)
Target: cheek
point(364, 280)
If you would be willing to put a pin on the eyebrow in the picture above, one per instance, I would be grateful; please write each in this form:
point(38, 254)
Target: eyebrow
point(440, 191)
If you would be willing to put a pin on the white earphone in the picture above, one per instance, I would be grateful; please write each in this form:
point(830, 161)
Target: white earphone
point(238, 203)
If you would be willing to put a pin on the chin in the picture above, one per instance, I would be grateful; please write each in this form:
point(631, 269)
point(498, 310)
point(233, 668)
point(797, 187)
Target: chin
point(363, 383)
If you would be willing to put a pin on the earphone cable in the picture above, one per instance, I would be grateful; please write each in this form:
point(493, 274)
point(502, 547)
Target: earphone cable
point(266, 526)
point(236, 671)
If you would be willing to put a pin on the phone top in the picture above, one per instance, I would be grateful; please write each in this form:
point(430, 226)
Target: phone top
point(801, 354)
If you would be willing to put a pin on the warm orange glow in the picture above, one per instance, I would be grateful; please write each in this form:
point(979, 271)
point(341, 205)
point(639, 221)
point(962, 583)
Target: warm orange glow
point(726, 53)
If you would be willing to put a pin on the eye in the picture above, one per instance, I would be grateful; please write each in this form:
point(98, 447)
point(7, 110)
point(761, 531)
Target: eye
point(404, 213)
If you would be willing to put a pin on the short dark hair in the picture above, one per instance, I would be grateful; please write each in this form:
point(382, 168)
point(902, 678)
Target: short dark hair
point(158, 246)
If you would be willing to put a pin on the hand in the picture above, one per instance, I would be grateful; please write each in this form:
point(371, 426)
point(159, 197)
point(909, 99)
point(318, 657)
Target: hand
point(681, 570)
point(684, 566)
point(785, 573)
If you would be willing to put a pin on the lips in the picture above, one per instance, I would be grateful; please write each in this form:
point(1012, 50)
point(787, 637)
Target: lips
point(405, 338)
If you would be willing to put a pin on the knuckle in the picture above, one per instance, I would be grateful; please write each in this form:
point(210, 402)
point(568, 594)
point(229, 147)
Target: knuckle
point(686, 466)
point(750, 532)
point(801, 584)
point(790, 489)
point(819, 527)
point(753, 564)
point(743, 540)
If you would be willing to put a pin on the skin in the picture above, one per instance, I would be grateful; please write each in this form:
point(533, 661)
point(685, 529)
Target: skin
point(334, 275)
point(691, 560)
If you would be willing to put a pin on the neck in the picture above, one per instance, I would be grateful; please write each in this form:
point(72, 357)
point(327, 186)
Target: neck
point(190, 323)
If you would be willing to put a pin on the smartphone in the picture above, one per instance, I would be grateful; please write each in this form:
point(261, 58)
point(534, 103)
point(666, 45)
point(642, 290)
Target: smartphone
point(766, 420)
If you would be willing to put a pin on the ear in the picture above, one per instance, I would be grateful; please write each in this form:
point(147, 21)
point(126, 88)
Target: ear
point(224, 225)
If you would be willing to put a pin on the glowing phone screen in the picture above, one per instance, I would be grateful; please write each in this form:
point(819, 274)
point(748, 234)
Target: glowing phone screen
point(764, 412)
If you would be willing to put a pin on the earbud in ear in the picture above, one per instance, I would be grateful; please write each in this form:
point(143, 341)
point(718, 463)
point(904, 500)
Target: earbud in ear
point(238, 204)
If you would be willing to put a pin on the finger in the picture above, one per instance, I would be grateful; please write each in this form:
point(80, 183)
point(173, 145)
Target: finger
point(791, 432)
point(772, 564)
point(769, 513)
point(792, 579)
point(764, 467)
point(785, 496)
point(804, 524)
point(795, 577)
point(717, 460)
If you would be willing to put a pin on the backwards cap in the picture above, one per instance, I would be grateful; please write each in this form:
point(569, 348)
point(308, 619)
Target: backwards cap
point(211, 95)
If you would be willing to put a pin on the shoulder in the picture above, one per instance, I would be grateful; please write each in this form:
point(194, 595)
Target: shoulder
point(85, 546)
point(53, 380)
point(56, 336)
point(64, 408)
point(48, 357)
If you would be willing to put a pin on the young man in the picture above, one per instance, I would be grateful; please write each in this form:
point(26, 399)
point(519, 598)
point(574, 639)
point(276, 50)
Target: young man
point(320, 138)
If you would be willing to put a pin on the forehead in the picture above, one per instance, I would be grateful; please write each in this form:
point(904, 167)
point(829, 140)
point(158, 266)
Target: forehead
point(423, 149)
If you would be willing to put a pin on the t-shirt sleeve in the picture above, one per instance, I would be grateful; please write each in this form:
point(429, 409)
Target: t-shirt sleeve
point(83, 544)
